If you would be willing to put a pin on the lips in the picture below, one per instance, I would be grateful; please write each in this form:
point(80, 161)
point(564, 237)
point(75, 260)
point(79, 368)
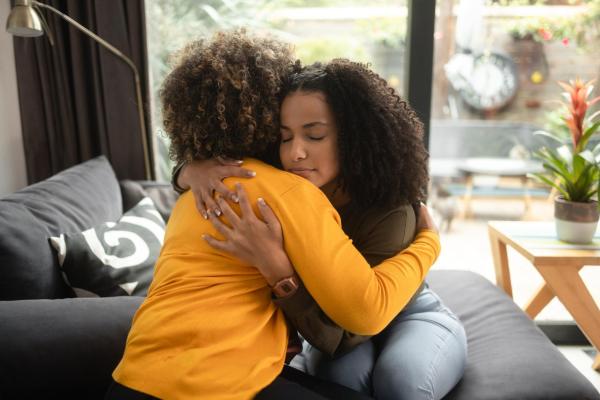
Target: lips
point(304, 172)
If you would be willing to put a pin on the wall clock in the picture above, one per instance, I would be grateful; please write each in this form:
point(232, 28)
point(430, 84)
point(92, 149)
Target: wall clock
point(487, 82)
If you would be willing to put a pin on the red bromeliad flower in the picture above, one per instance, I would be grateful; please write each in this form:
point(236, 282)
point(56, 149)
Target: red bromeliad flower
point(577, 93)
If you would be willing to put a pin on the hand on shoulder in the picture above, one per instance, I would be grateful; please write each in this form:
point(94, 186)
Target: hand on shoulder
point(426, 220)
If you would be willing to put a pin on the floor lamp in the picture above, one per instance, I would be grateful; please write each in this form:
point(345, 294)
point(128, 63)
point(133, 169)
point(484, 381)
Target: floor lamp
point(24, 21)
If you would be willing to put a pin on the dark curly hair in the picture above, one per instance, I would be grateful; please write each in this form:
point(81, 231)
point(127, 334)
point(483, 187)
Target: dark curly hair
point(221, 98)
point(383, 161)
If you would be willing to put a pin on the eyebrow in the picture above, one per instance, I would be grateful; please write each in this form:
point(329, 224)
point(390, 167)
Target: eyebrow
point(309, 125)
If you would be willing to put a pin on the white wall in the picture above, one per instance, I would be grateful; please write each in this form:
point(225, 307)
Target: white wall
point(12, 160)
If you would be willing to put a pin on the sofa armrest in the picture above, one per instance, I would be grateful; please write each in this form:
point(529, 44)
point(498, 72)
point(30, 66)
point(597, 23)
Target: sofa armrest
point(64, 348)
point(161, 193)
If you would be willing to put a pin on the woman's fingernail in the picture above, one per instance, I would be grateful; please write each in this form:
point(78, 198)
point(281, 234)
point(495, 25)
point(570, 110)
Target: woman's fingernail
point(235, 198)
point(237, 161)
point(204, 215)
point(218, 212)
point(251, 173)
point(261, 201)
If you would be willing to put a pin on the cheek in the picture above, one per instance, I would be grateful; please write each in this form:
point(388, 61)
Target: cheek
point(334, 160)
point(283, 155)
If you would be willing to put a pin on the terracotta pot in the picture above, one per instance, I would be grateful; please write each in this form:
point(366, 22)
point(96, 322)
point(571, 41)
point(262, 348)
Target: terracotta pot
point(575, 222)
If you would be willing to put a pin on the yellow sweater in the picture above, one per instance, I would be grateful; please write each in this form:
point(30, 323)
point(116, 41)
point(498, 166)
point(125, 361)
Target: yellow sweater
point(208, 328)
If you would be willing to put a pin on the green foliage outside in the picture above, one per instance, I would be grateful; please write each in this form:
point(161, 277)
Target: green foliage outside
point(581, 29)
point(389, 32)
point(312, 50)
point(173, 23)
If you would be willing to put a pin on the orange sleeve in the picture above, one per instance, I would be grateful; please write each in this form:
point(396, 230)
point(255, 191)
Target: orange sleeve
point(357, 297)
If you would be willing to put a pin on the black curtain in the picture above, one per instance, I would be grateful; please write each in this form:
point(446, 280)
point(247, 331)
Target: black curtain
point(77, 99)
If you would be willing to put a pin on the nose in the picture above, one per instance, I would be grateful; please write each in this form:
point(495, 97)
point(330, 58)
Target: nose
point(298, 150)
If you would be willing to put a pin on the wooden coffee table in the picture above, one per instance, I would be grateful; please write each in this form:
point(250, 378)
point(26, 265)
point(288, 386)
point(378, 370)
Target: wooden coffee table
point(558, 263)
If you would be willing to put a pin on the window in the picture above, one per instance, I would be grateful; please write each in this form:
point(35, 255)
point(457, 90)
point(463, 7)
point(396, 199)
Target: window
point(496, 67)
point(319, 29)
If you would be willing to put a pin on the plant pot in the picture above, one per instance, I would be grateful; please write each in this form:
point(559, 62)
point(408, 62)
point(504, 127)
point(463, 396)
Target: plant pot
point(575, 222)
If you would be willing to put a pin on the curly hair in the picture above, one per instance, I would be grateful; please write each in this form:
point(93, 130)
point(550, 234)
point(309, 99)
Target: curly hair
point(383, 160)
point(221, 98)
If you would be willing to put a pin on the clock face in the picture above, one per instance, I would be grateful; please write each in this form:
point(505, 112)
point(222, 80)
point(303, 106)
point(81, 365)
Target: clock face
point(492, 83)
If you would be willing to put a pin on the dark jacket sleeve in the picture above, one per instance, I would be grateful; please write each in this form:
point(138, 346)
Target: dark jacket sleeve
point(378, 238)
point(175, 175)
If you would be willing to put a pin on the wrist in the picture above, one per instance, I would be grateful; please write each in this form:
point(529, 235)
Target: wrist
point(177, 179)
point(286, 287)
point(182, 179)
point(277, 268)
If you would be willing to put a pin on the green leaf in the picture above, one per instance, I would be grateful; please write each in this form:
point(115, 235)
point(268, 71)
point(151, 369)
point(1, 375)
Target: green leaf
point(596, 151)
point(588, 156)
point(543, 179)
point(214, 15)
point(550, 135)
point(594, 115)
point(587, 134)
point(565, 153)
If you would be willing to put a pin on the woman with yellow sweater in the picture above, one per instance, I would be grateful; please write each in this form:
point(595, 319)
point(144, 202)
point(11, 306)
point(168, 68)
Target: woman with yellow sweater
point(209, 328)
point(365, 152)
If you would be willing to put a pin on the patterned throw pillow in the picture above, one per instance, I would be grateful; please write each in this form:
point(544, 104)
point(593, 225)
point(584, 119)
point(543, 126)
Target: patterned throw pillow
point(115, 258)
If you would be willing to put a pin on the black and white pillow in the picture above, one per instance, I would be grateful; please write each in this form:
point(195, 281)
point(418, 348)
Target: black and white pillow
point(115, 258)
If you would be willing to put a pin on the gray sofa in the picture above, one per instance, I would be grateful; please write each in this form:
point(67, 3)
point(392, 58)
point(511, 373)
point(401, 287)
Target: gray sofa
point(55, 346)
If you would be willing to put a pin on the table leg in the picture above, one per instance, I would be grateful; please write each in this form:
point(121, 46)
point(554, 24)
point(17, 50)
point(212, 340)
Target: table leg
point(500, 262)
point(527, 195)
point(468, 195)
point(540, 300)
point(572, 292)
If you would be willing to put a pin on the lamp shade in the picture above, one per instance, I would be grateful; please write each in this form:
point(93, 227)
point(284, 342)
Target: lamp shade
point(23, 20)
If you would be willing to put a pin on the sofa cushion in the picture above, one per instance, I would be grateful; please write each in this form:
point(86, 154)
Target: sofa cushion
point(161, 193)
point(508, 356)
point(77, 198)
point(113, 259)
point(62, 349)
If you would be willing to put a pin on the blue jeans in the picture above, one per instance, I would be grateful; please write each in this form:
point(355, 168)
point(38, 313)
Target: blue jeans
point(421, 354)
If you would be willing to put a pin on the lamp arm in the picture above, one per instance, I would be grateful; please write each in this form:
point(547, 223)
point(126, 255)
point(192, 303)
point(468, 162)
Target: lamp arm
point(129, 62)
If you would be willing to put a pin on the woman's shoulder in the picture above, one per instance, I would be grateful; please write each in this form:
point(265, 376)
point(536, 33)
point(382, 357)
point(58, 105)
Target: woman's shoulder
point(389, 227)
point(376, 214)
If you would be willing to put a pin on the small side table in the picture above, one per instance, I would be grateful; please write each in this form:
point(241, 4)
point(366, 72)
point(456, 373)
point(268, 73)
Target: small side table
point(558, 263)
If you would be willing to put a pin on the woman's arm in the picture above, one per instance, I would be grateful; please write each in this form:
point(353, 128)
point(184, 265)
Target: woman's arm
point(357, 298)
point(379, 235)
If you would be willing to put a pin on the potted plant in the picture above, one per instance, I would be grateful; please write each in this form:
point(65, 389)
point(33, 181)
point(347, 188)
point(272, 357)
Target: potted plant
point(572, 168)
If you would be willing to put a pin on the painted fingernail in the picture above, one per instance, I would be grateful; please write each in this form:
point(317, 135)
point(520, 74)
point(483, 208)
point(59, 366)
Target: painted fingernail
point(237, 161)
point(251, 173)
point(218, 212)
point(235, 198)
point(204, 215)
point(261, 201)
